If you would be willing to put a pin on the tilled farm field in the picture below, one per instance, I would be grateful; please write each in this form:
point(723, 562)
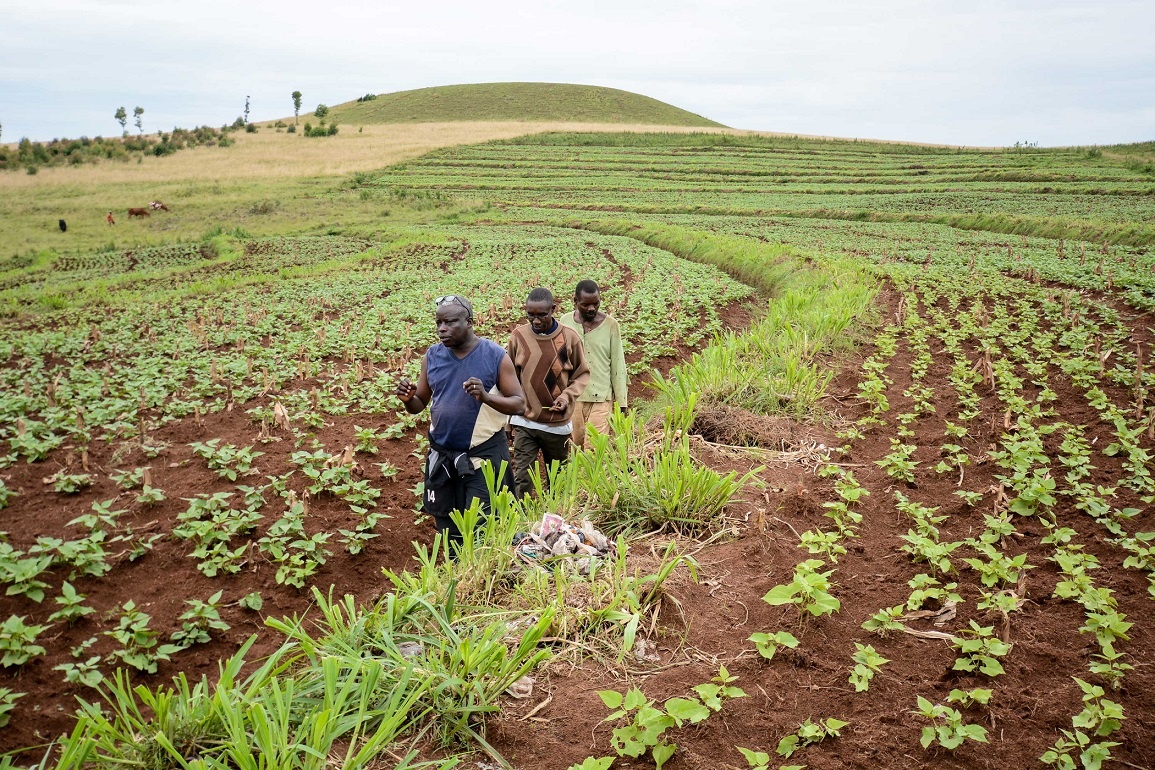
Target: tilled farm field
point(898, 515)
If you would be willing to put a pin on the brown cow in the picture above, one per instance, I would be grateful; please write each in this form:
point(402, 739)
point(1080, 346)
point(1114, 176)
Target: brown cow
point(137, 213)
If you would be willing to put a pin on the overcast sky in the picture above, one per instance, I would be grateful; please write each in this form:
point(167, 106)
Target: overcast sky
point(979, 72)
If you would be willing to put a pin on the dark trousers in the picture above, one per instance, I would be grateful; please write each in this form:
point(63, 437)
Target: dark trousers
point(527, 444)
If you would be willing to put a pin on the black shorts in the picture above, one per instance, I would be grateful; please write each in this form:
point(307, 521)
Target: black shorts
point(454, 492)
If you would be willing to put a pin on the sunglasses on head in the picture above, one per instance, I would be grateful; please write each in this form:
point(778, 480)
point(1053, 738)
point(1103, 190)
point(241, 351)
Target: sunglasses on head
point(453, 299)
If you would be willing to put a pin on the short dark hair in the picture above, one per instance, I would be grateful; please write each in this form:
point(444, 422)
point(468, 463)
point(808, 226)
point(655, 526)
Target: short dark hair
point(540, 294)
point(586, 286)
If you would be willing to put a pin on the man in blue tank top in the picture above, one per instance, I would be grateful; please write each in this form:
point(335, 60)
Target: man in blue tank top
point(469, 385)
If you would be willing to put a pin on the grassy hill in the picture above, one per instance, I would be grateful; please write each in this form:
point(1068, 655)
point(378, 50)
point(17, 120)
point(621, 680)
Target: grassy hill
point(515, 101)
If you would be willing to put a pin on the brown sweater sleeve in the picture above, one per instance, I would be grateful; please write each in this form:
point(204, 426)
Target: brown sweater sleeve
point(513, 348)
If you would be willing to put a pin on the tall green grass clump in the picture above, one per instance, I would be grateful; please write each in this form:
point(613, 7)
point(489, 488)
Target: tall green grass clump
point(430, 660)
point(631, 482)
point(761, 265)
point(597, 609)
point(464, 662)
point(777, 366)
point(774, 367)
point(333, 711)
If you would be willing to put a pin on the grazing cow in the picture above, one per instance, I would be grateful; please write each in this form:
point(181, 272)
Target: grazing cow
point(137, 213)
point(111, 221)
point(157, 206)
point(63, 226)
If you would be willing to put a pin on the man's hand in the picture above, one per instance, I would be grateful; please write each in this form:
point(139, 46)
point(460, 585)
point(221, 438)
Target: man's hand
point(561, 404)
point(406, 390)
point(475, 388)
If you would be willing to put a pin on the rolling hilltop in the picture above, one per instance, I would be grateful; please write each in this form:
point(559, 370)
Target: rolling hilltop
point(516, 101)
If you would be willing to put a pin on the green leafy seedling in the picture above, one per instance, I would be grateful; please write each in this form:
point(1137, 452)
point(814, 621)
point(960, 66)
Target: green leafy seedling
point(1075, 749)
point(970, 498)
point(71, 483)
point(150, 495)
point(968, 698)
point(867, 663)
point(981, 651)
point(885, 620)
point(1099, 716)
point(928, 589)
point(592, 763)
point(72, 605)
point(768, 644)
point(809, 590)
point(719, 688)
point(946, 726)
point(6, 494)
point(199, 620)
point(810, 732)
point(760, 760)
point(646, 729)
point(102, 516)
point(8, 700)
point(127, 480)
point(17, 641)
point(86, 673)
point(140, 646)
point(1110, 667)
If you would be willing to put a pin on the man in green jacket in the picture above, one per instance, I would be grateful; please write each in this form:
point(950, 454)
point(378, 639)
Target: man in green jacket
point(551, 366)
point(602, 339)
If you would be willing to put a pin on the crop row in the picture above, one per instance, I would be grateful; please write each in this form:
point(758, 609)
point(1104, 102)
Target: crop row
point(1013, 350)
point(86, 374)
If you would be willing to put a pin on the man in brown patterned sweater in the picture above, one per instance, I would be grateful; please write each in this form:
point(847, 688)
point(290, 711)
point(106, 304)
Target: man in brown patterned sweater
point(551, 366)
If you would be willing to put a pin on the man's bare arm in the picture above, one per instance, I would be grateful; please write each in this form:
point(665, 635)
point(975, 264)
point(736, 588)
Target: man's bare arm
point(415, 397)
point(510, 398)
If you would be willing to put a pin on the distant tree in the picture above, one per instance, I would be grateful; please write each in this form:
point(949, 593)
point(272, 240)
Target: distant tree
point(296, 106)
point(122, 118)
point(246, 109)
point(321, 111)
point(137, 114)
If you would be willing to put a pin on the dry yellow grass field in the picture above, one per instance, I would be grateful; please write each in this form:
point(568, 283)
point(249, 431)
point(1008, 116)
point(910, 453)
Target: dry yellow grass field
point(268, 154)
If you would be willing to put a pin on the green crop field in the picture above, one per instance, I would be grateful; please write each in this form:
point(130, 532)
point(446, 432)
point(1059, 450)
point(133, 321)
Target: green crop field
point(884, 500)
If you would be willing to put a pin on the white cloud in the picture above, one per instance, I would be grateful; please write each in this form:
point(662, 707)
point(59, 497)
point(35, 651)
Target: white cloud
point(982, 73)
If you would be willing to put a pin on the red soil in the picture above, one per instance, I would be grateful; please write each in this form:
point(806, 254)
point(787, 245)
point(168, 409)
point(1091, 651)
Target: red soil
point(1033, 700)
